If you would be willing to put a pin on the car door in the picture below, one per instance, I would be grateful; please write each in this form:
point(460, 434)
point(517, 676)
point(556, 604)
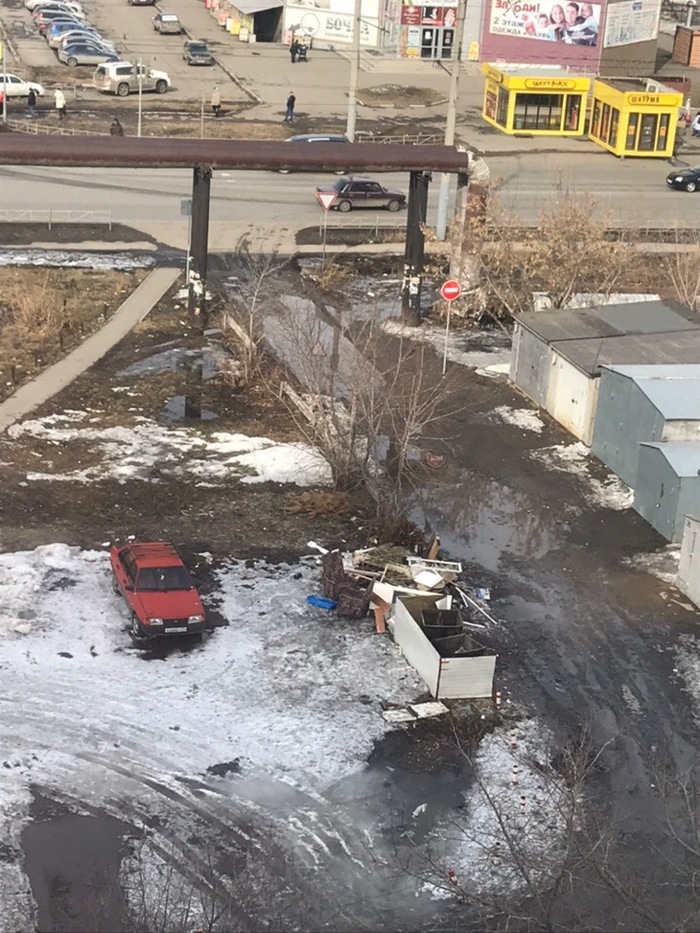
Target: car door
point(358, 193)
point(376, 195)
point(14, 87)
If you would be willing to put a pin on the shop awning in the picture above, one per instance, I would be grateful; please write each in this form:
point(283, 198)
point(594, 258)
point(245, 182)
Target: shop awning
point(256, 6)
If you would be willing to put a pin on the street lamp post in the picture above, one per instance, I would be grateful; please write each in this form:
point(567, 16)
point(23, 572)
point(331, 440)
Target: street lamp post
point(444, 191)
point(354, 72)
point(139, 67)
point(4, 84)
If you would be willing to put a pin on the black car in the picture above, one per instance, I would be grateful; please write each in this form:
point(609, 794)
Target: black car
point(684, 179)
point(351, 193)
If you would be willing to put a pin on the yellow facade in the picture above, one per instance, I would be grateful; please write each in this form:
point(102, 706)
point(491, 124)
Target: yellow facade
point(630, 121)
point(535, 104)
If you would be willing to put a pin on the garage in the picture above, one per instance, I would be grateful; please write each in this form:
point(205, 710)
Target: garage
point(668, 485)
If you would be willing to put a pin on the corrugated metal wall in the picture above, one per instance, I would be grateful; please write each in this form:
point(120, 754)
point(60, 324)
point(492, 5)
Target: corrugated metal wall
point(572, 397)
point(624, 418)
point(530, 364)
point(689, 564)
point(661, 496)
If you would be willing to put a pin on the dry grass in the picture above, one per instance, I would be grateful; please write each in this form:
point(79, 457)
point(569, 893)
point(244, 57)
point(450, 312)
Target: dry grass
point(46, 313)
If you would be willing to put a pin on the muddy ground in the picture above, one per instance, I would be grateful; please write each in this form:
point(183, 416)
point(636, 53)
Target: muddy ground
point(585, 642)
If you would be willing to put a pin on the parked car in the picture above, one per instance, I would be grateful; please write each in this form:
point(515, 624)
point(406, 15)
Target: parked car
point(59, 6)
point(352, 193)
point(84, 53)
point(18, 87)
point(158, 590)
point(43, 13)
point(685, 179)
point(32, 5)
point(315, 138)
point(69, 38)
point(122, 78)
point(60, 28)
point(141, 2)
point(196, 52)
point(46, 19)
point(167, 23)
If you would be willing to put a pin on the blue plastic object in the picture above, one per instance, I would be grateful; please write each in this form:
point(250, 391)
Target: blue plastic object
point(321, 602)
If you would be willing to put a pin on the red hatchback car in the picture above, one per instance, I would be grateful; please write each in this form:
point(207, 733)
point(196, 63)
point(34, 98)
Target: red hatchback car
point(158, 590)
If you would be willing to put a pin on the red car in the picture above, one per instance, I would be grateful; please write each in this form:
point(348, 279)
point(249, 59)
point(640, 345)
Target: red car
point(158, 590)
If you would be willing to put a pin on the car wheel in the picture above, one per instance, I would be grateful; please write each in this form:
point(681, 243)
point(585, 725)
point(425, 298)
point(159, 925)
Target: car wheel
point(393, 205)
point(691, 186)
point(345, 206)
point(161, 87)
point(123, 90)
point(135, 628)
point(72, 62)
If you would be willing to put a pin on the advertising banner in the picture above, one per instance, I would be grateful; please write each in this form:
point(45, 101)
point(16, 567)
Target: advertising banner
point(572, 23)
point(632, 21)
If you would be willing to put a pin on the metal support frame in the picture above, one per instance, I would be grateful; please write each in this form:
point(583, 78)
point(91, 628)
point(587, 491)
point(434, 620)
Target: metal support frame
point(199, 246)
point(412, 283)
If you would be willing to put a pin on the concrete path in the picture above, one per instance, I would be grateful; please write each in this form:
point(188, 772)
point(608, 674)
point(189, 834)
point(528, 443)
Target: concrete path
point(57, 377)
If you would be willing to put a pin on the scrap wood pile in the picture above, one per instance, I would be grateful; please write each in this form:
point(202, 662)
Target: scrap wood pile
point(372, 578)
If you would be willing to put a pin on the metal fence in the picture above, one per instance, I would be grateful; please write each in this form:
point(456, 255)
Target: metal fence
point(405, 139)
point(48, 129)
point(51, 217)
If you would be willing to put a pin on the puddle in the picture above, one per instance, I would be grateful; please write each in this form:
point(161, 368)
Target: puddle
point(72, 863)
point(174, 358)
point(480, 520)
point(174, 410)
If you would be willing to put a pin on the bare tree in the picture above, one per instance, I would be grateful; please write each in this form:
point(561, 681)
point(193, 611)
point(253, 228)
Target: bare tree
point(682, 266)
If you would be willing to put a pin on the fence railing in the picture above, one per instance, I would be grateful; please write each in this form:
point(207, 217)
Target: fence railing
point(405, 139)
point(51, 217)
point(49, 129)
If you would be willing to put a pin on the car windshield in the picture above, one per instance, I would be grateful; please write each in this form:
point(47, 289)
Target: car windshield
point(339, 186)
point(160, 579)
point(197, 47)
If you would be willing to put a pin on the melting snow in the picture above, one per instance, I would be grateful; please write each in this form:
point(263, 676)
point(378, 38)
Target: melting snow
point(662, 564)
point(524, 418)
point(75, 259)
point(149, 450)
point(611, 493)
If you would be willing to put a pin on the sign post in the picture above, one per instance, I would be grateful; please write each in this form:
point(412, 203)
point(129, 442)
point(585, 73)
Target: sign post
point(4, 83)
point(326, 199)
point(186, 211)
point(449, 291)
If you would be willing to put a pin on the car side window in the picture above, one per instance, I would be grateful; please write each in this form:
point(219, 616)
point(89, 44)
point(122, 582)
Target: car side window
point(374, 187)
point(357, 187)
point(129, 565)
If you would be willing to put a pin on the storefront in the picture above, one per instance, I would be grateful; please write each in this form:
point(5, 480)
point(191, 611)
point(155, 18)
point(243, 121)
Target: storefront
point(546, 103)
point(629, 120)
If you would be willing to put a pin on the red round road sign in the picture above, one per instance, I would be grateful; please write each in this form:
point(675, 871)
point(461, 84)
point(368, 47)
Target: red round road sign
point(451, 290)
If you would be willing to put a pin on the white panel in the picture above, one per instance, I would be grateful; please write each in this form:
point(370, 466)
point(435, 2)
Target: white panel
point(689, 564)
point(416, 648)
point(466, 678)
point(572, 397)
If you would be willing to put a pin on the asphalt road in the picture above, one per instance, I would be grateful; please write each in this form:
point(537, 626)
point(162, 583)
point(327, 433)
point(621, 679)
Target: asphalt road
point(631, 193)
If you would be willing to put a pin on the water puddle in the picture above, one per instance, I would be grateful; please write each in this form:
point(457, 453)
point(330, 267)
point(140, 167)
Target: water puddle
point(175, 358)
point(72, 863)
point(482, 521)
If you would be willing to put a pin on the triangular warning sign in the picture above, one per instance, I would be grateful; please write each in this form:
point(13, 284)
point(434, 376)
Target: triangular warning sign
point(318, 349)
point(326, 198)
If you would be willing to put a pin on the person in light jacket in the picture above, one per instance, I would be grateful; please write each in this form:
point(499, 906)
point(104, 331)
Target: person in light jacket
point(216, 101)
point(60, 103)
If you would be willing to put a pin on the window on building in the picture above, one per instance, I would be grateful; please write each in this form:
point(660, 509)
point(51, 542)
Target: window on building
point(662, 138)
point(631, 140)
point(595, 123)
point(502, 111)
point(573, 110)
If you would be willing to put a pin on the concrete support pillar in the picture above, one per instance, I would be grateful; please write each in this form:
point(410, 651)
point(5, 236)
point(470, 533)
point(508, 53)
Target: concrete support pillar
point(412, 283)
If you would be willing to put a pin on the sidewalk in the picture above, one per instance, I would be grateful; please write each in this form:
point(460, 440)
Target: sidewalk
point(57, 377)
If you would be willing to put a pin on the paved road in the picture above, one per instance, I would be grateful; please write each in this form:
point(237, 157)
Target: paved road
point(634, 193)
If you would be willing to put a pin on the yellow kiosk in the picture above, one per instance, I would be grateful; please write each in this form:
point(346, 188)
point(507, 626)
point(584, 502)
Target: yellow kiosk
point(550, 102)
point(635, 118)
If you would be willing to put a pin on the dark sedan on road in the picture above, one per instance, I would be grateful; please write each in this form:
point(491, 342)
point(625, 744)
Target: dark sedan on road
point(684, 179)
point(352, 193)
point(196, 52)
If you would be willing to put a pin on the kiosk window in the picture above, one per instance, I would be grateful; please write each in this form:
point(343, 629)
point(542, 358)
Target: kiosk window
point(490, 104)
point(597, 111)
point(662, 138)
point(647, 132)
point(538, 111)
point(614, 120)
point(605, 123)
point(631, 141)
point(502, 111)
point(573, 109)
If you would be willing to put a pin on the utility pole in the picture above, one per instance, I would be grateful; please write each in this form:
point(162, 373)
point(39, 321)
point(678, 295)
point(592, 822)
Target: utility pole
point(139, 68)
point(444, 191)
point(4, 84)
point(354, 72)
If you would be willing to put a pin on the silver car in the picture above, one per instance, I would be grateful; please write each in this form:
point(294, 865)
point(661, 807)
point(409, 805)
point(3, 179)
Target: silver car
point(82, 53)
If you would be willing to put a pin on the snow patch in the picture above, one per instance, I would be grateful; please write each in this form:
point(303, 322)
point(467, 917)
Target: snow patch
point(610, 493)
point(523, 418)
point(662, 564)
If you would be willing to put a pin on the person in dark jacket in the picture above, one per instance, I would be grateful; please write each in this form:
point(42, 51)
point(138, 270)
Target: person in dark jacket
point(294, 50)
point(291, 101)
point(31, 103)
point(116, 129)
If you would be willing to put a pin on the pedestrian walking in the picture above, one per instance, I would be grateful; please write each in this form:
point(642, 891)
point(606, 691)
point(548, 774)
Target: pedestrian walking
point(695, 126)
point(31, 103)
point(116, 129)
point(294, 50)
point(291, 101)
point(60, 103)
point(216, 101)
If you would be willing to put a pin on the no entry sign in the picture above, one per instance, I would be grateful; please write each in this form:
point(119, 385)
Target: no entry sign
point(451, 289)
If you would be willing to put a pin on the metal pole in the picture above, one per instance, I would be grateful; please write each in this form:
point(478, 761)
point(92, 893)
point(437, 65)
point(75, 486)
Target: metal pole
point(441, 224)
point(325, 229)
point(447, 337)
point(201, 186)
point(412, 282)
point(140, 77)
point(354, 72)
point(189, 247)
point(201, 118)
point(689, 15)
point(4, 85)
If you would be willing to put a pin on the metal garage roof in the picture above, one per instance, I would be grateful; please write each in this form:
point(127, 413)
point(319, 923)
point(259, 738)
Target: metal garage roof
point(636, 317)
point(673, 389)
point(682, 456)
point(589, 354)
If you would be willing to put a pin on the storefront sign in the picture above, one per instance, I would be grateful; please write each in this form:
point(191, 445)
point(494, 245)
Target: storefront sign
point(326, 21)
point(572, 23)
point(549, 84)
point(631, 21)
point(652, 100)
point(411, 15)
